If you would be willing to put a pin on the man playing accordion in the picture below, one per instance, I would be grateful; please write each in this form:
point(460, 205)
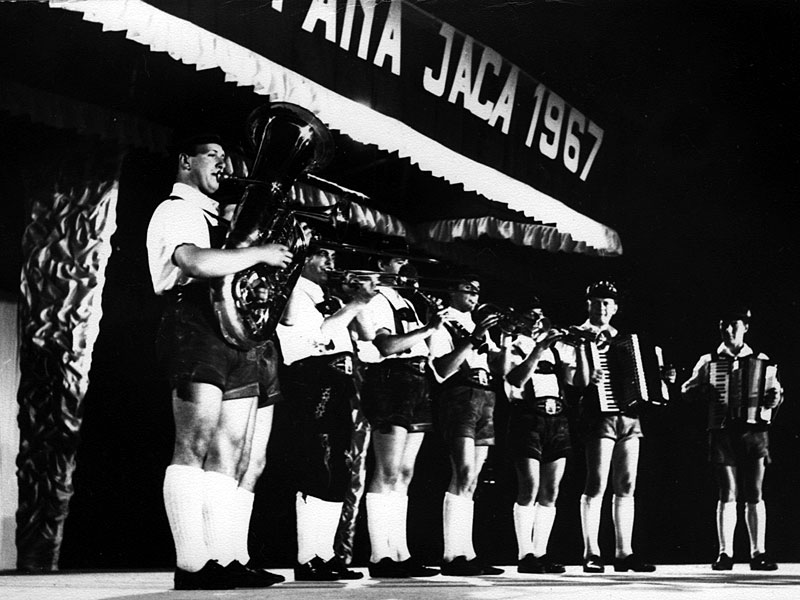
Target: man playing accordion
point(611, 436)
point(738, 445)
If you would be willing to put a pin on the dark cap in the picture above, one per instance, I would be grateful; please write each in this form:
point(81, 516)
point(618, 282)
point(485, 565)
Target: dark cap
point(467, 282)
point(735, 312)
point(602, 289)
point(396, 246)
point(190, 144)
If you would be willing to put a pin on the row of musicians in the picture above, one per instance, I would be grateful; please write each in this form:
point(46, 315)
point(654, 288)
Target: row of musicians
point(400, 353)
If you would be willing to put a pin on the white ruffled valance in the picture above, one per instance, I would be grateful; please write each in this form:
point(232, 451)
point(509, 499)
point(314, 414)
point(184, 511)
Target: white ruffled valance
point(190, 44)
point(532, 235)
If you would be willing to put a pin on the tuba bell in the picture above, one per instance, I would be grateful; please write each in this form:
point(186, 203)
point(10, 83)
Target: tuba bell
point(289, 141)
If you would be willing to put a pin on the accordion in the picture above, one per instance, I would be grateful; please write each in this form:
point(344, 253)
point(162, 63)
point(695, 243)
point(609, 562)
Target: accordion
point(740, 385)
point(633, 374)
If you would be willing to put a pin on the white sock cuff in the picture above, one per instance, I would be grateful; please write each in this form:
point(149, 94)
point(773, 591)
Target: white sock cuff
point(544, 509)
point(459, 501)
point(623, 501)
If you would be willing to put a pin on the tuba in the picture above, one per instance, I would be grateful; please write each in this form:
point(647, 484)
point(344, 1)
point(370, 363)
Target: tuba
point(289, 141)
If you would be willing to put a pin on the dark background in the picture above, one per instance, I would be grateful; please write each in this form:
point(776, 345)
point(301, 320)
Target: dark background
point(701, 101)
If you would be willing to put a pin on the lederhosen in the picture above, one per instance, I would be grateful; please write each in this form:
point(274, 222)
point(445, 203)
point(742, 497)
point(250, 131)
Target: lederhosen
point(466, 404)
point(397, 390)
point(737, 439)
point(322, 393)
point(538, 426)
point(592, 422)
point(190, 344)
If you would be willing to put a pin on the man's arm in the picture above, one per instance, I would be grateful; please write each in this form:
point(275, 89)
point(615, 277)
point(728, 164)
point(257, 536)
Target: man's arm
point(205, 263)
point(520, 374)
point(447, 364)
point(697, 386)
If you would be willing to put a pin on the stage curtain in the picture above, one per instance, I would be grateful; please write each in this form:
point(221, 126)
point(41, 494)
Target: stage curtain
point(66, 247)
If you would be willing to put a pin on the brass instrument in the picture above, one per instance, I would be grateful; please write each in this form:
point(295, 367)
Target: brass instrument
point(575, 336)
point(512, 321)
point(289, 141)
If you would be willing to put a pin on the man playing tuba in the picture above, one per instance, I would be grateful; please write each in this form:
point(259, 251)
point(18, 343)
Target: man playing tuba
point(214, 385)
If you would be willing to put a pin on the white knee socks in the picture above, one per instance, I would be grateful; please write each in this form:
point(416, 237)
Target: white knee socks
point(756, 519)
point(317, 522)
point(623, 515)
point(219, 515)
point(243, 510)
point(524, 517)
point(590, 523)
point(183, 501)
point(457, 515)
point(544, 517)
point(726, 526)
point(378, 509)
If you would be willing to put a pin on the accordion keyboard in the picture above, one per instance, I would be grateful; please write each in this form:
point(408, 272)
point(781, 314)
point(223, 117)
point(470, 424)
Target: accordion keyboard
point(605, 393)
point(719, 377)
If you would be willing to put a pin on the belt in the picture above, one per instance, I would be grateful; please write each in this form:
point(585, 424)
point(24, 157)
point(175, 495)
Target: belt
point(196, 293)
point(341, 362)
point(480, 378)
point(549, 405)
point(416, 364)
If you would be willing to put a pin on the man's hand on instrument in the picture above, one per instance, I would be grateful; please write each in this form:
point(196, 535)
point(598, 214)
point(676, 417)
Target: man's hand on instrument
point(437, 319)
point(365, 291)
point(772, 397)
point(485, 325)
point(597, 376)
point(549, 338)
point(276, 255)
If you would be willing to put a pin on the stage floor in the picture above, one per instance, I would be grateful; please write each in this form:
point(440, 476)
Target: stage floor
point(669, 581)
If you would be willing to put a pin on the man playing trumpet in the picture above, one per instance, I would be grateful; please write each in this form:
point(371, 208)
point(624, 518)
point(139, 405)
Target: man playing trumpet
point(462, 364)
point(320, 386)
point(538, 437)
point(396, 401)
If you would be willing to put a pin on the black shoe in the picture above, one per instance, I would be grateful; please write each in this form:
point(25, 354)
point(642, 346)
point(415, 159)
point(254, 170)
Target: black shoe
point(254, 566)
point(314, 570)
point(760, 562)
point(488, 569)
point(337, 567)
point(529, 564)
point(213, 576)
point(461, 567)
point(723, 563)
point(593, 564)
point(386, 568)
point(248, 577)
point(415, 568)
point(633, 563)
point(550, 566)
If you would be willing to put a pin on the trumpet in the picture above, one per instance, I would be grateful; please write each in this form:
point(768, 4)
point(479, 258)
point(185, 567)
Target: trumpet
point(575, 336)
point(512, 321)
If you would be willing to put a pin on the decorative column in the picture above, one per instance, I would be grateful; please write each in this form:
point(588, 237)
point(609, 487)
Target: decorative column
point(66, 247)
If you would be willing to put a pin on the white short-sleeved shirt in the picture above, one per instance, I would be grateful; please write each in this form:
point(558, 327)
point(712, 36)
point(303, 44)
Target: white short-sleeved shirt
point(305, 338)
point(700, 371)
point(176, 222)
point(380, 314)
point(544, 385)
point(441, 343)
point(567, 352)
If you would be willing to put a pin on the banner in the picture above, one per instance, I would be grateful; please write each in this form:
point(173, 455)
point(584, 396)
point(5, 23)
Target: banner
point(398, 60)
